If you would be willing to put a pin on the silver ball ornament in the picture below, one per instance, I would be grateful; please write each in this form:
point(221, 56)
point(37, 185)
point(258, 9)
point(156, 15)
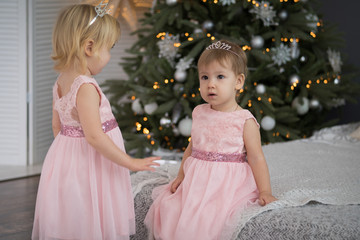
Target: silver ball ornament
point(268, 123)
point(314, 103)
point(294, 79)
point(283, 14)
point(336, 81)
point(257, 42)
point(260, 88)
point(178, 88)
point(180, 75)
point(302, 59)
point(301, 107)
point(208, 25)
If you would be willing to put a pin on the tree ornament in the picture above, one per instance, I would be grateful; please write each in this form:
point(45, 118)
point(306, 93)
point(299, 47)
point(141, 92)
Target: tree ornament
point(335, 60)
point(165, 120)
point(264, 12)
point(178, 88)
point(136, 106)
point(171, 2)
point(303, 59)
point(176, 112)
point(185, 127)
point(301, 105)
point(208, 25)
point(294, 79)
point(268, 123)
point(150, 108)
point(337, 81)
point(176, 131)
point(314, 103)
point(281, 54)
point(257, 42)
point(180, 75)
point(227, 2)
point(260, 88)
point(283, 15)
point(295, 51)
point(312, 21)
point(167, 47)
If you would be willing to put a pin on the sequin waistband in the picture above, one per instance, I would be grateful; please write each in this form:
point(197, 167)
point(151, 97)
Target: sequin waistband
point(219, 157)
point(76, 131)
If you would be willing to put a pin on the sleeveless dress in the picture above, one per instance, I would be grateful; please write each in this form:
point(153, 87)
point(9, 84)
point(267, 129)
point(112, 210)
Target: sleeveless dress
point(218, 182)
point(83, 195)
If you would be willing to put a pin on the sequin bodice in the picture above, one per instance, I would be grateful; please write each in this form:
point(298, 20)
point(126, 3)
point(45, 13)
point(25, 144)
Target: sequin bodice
point(218, 132)
point(66, 105)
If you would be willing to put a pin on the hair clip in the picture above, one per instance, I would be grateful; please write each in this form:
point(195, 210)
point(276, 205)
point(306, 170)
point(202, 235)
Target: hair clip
point(221, 46)
point(100, 11)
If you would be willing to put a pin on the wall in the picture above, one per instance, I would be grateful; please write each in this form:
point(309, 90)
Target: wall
point(345, 14)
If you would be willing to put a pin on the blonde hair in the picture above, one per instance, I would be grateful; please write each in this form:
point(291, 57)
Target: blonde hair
point(72, 29)
point(236, 57)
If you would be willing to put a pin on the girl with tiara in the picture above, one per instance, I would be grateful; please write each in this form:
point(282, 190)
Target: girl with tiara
point(84, 190)
point(223, 169)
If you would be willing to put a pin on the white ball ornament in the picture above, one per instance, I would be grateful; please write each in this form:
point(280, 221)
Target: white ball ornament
point(257, 42)
point(336, 81)
point(171, 2)
point(136, 106)
point(185, 127)
point(150, 108)
point(267, 123)
point(314, 103)
point(208, 25)
point(260, 88)
point(180, 75)
point(302, 107)
point(283, 14)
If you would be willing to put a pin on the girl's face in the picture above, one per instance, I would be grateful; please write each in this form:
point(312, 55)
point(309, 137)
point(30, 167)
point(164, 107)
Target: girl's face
point(219, 84)
point(98, 61)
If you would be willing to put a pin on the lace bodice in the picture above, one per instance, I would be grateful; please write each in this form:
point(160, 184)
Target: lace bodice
point(221, 132)
point(66, 105)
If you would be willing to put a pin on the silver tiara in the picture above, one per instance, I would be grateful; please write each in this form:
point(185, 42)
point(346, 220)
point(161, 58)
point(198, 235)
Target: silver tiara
point(221, 46)
point(100, 11)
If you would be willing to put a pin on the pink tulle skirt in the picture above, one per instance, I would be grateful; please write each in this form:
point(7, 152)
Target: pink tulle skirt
point(83, 195)
point(206, 203)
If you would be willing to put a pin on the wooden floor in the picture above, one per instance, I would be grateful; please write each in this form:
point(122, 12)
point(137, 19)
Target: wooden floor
point(17, 205)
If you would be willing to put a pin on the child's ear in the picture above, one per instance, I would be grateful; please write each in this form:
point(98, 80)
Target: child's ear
point(240, 80)
point(89, 47)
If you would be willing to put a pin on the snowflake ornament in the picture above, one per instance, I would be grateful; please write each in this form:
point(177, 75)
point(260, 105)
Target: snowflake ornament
point(184, 64)
point(167, 47)
point(281, 54)
point(313, 20)
point(335, 60)
point(227, 2)
point(265, 12)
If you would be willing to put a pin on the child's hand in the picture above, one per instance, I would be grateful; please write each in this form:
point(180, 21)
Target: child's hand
point(176, 183)
point(266, 198)
point(144, 164)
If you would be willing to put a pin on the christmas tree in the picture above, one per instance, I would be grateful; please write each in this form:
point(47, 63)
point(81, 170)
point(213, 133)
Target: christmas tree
point(296, 75)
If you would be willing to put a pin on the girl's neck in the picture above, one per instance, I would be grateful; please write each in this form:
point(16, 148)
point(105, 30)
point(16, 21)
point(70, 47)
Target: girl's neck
point(228, 108)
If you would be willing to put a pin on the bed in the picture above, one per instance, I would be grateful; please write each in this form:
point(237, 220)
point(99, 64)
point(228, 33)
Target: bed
point(317, 182)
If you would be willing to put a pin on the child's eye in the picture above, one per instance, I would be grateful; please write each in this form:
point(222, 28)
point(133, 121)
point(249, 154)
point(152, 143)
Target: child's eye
point(221, 76)
point(204, 77)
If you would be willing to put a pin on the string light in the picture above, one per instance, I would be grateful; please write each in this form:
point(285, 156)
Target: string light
point(145, 119)
point(138, 126)
point(313, 34)
point(146, 131)
point(132, 97)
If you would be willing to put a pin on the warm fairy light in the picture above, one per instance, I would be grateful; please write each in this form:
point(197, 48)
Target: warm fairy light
point(186, 34)
point(189, 139)
point(190, 39)
point(138, 126)
point(287, 135)
point(148, 136)
point(241, 90)
point(313, 34)
point(255, 83)
point(325, 81)
point(246, 47)
point(177, 44)
point(309, 81)
point(292, 88)
point(295, 1)
point(166, 81)
point(145, 119)
point(270, 100)
point(161, 35)
point(249, 103)
point(167, 138)
point(193, 95)
point(261, 111)
point(212, 38)
point(132, 97)
point(307, 85)
point(265, 5)
point(273, 39)
point(172, 80)
point(152, 142)
point(146, 131)
point(208, 35)
point(160, 128)
point(318, 24)
point(259, 98)
point(267, 50)
point(215, 1)
point(318, 81)
point(184, 95)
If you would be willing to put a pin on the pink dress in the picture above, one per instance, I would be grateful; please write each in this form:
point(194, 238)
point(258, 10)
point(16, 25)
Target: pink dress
point(218, 182)
point(83, 195)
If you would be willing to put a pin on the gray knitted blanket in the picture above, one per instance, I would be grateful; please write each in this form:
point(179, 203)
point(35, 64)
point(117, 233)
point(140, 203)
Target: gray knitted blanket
point(316, 180)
